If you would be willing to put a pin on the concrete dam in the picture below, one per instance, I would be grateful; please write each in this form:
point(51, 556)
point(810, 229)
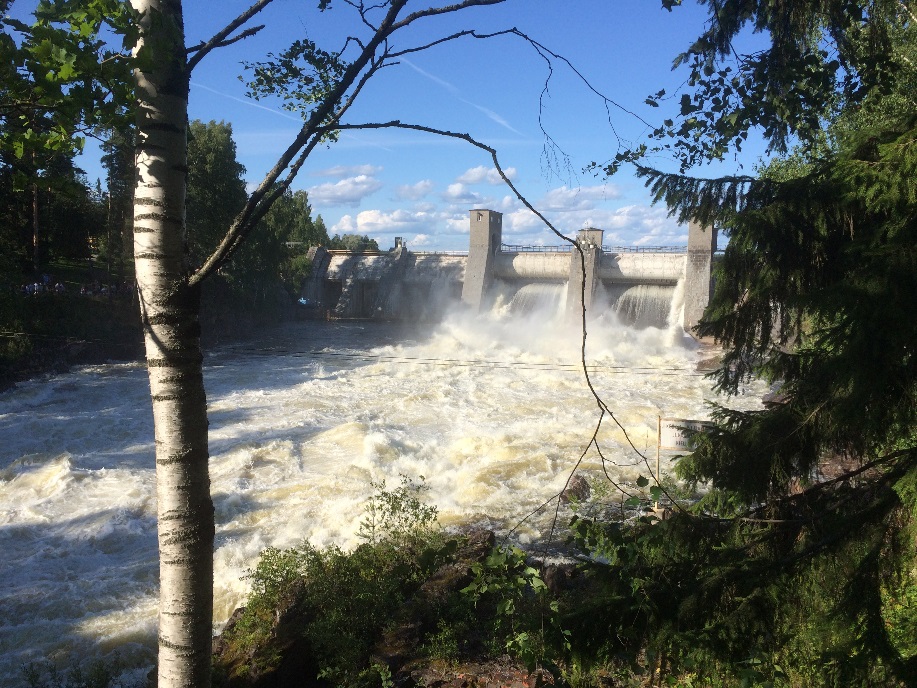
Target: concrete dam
point(637, 283)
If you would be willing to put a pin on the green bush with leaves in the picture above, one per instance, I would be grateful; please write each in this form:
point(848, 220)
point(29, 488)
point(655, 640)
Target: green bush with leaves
point(343, 602)
point(94, 674)
point(522, 614)
point(344, 599)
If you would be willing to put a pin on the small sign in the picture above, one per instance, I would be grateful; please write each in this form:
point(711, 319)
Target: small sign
point(675, 433)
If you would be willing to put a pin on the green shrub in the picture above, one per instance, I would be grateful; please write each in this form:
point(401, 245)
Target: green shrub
point(95, 674)
point(345, 599)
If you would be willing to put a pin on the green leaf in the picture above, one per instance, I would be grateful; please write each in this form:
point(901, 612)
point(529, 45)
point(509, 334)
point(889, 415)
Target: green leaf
point(642, 482)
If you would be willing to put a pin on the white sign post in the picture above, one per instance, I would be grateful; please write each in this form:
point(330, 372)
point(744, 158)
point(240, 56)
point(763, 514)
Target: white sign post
point(675, 433)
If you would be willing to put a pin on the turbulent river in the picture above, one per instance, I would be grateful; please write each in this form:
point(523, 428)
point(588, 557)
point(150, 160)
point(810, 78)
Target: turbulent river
point(493, 412)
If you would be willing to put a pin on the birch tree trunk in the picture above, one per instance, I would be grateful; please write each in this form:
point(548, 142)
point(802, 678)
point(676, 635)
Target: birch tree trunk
point(170, 310)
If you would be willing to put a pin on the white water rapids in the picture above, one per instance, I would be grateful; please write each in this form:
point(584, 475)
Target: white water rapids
point(493, 411)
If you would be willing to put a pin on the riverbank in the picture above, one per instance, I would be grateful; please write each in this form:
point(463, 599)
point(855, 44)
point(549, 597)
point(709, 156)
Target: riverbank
point(53, 331)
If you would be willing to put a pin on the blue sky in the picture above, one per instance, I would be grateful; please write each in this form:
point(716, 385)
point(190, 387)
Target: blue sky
point(420, 187)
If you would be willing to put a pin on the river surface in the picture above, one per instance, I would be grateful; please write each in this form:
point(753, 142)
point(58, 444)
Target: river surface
point(493, 411)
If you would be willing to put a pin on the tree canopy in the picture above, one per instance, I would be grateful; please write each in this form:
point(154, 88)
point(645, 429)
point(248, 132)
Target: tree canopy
point(819, 59)
point(216, 187)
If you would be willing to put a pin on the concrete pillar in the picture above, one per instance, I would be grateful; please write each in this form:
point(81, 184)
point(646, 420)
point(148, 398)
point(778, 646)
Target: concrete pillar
point(314, 286)
point(388, 303)
point(590, 240)
point(698, 264)
point(484, 243)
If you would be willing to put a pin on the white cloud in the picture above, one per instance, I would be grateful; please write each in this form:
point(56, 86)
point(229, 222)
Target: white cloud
point(414, 192)
point(520, 221)
point(459, 193)
point(581, 198)
point(458, 224)
point(383, 222)
point(346, 225)
point(631, 225)
point(482, 174)
point(349, 191)
point(445, 225)
point(508, 204)
point(341, 171)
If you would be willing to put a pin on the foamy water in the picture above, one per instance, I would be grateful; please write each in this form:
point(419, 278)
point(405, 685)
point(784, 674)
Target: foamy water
point(493, 412)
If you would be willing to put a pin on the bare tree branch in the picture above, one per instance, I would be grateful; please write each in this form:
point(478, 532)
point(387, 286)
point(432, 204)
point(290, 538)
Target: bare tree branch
point(438, 41)
point(317, 124)
point(229, 41)
point(433, 11)
point(218, 39)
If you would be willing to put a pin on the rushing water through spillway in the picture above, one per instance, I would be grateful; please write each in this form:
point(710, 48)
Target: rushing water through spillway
point(492, 411)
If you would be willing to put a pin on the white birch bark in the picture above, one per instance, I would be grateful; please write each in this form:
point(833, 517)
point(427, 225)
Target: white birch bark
point(170, 310)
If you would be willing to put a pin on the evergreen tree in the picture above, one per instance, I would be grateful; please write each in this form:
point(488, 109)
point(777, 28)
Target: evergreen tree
point(797, 567)
point(216, 188)
point(120, 173)
point(71, 212)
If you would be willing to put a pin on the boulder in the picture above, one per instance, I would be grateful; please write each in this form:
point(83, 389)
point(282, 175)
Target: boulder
point(577, 490)
point(283, 661)
point(499, 673)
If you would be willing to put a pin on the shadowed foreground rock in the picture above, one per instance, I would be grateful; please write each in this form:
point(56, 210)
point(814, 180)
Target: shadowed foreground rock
point(499, 673)
point(258, 667)
point(419, 615)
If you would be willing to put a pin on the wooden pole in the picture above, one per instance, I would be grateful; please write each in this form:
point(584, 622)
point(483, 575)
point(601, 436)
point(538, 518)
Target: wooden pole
point(658, 441)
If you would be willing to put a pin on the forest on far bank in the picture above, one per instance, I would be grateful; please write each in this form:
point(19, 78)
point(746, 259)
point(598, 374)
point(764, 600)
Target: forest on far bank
point(66, 264)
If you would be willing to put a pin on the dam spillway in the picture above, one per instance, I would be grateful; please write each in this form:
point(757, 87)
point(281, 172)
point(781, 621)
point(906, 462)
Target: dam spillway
point(409, 285)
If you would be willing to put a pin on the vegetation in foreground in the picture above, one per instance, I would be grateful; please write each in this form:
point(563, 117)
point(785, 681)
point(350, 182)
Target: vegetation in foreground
point(411, 593)
point(686, 601)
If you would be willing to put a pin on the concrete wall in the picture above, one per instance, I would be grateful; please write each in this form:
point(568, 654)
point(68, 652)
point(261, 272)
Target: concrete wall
point(435, 268)
point(532, 267)
point(642, 268)
point(583, 271)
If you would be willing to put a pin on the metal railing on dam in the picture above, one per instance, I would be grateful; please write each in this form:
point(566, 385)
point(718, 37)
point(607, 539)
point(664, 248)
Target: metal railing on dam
point(515, 248)
point(566, 248)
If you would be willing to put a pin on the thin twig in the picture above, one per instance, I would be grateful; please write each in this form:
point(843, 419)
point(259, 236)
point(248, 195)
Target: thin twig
point(217, 40)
